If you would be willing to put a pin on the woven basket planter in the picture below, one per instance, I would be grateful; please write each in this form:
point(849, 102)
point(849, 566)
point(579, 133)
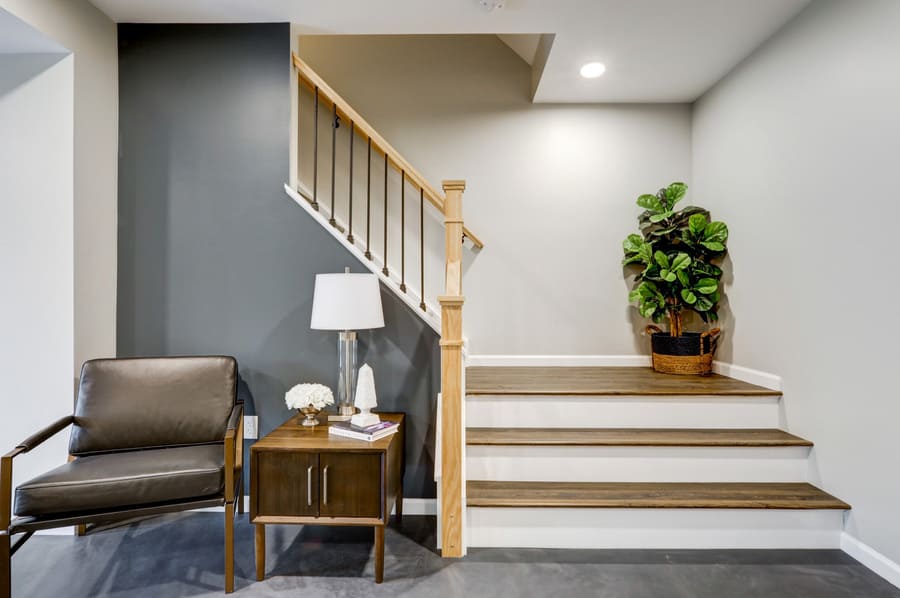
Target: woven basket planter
point(688, 354)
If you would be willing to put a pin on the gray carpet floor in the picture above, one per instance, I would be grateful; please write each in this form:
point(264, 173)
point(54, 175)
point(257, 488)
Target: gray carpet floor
point(181, 555)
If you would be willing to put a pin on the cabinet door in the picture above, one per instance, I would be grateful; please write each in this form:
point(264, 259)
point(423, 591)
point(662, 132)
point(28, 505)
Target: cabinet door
point(351, 484)
point(288, 484)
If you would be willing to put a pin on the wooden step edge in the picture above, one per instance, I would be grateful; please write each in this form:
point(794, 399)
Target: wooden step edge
point(645, 495)
point(472, 390)
point(661, 437)
point(602, 381)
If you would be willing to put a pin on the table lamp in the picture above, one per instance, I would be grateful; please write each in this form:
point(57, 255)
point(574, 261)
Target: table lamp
point(346, 303)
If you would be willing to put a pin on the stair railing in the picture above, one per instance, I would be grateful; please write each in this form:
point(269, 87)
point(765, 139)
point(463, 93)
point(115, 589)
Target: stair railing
point(449, 204)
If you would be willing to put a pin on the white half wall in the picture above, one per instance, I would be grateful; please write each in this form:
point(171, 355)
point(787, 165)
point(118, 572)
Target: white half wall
point(550, 188)
point(36, 269)
point(91, 37)
point(797, 150)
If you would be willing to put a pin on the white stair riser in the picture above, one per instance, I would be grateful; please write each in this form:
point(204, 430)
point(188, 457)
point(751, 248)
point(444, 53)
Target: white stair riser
point(484, 411)
point(637, 464)
point(653, 528)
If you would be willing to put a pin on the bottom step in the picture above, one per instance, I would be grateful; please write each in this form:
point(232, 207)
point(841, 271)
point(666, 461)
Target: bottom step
point(666, 516)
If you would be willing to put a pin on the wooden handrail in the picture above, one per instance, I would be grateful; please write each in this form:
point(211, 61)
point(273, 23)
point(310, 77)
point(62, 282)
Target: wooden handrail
point(365, 130)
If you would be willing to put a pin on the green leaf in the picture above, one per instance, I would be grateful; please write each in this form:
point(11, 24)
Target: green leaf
point(646, 309)
point(681, 261)
point(661, 232)
point(699, 267)
point(675, 192)
point(650, 202)
point(696, 224)
point(661, 259)
point(645, 253)
point(716, 231)
point(632, 243)
point(634, 295)
point(689, 297)
point(683, 278)
point(667, 275)
point(703, 304)
point(707, 286)
point(662, 216)
point(631, 260)
point(713, 245)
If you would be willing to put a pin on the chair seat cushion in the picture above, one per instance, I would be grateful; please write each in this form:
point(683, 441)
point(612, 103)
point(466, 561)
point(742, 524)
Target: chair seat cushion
point(115, 481)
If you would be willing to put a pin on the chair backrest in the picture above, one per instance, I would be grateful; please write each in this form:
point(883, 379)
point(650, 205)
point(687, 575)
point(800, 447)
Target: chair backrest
point(152, 402)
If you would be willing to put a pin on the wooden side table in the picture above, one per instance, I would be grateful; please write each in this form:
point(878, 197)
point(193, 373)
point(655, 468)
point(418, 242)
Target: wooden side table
point(305, 476)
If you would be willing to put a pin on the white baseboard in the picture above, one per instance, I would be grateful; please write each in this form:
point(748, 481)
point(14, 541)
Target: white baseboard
point(744, 374)
point(737, 372)
point(559, 360)
point(871, 558)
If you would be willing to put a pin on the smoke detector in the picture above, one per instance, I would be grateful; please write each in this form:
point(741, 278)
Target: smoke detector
point(490, 5)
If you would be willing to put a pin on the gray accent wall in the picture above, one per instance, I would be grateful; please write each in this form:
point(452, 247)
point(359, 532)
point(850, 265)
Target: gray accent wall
point(214, 258)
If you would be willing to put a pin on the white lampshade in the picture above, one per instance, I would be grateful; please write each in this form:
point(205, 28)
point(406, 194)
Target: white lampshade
point(346, 302)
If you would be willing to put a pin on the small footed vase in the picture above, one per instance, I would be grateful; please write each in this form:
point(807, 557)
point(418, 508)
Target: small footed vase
point(312, 415)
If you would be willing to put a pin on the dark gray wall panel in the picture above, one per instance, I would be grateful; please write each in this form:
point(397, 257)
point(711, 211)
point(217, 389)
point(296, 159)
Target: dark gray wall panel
point(213, 256)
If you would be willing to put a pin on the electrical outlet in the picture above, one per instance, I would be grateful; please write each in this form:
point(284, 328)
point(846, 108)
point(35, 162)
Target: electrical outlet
point(251, 427)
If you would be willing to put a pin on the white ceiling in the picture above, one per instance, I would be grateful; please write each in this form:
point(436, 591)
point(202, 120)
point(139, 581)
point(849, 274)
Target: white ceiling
point(17, 37)
point(654, 50)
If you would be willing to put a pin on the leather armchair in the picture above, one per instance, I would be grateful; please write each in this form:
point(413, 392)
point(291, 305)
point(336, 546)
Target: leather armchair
point(149, 436)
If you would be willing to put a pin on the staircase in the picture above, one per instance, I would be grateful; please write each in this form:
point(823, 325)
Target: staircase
point(629, 458)
point(608, 457)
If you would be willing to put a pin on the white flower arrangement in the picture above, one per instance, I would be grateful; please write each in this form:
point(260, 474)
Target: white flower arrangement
point(303, 395)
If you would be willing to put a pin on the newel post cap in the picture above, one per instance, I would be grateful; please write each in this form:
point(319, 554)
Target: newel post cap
point(457, 185)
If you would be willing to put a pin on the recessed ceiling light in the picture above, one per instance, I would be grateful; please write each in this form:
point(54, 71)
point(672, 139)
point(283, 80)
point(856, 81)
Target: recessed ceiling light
point(592, 70)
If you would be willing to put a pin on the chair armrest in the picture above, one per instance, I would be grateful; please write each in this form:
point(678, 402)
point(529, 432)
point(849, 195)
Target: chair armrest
point(234, 448)
point(6, 465)
point(35, 439)
point(234, 420)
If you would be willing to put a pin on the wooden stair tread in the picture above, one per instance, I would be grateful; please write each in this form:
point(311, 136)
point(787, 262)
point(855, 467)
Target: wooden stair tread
point(602, 381)
point(632, 437)
point(672, 495)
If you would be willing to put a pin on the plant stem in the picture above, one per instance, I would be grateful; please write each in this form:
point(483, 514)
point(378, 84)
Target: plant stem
point(674, 322)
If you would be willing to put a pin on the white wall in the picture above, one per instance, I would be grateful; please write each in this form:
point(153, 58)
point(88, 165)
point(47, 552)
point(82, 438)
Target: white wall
point(91, 37)
point(797, 150)
point(551, 188)
point(36, 269)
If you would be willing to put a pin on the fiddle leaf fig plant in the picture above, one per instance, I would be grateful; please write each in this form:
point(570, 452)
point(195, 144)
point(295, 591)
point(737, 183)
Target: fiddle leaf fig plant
point(675, 254)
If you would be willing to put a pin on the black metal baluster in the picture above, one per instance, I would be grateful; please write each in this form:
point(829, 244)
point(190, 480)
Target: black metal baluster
point(403, 230)
point(368, 196)
point(422, 245)
point(315, 202)
point(350, 210)
point(385, 269)
point(334, 126)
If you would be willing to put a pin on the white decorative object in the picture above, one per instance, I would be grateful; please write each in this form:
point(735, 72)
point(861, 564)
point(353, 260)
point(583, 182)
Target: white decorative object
point(365, 398)
point(304, 395)
point(346, 303)
point(309, 400)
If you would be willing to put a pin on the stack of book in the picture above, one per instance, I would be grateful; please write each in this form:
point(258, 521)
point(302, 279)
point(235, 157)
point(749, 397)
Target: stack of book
point(370, 433)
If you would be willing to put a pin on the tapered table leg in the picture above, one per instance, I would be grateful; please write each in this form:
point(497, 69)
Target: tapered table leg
point(260, 551)
point(379, 553)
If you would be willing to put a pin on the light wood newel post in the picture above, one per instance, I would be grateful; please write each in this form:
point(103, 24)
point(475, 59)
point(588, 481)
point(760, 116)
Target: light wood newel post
point(452, 376)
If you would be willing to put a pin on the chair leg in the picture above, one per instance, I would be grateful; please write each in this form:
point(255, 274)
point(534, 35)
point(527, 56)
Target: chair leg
point(5, 566)
point(229, 547)
point(80, 530)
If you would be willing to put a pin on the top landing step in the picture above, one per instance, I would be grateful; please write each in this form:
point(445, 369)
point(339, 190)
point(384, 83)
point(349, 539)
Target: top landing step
point(602, 381)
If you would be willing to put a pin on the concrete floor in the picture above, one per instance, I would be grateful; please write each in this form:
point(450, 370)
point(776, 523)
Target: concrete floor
point(181, 555)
